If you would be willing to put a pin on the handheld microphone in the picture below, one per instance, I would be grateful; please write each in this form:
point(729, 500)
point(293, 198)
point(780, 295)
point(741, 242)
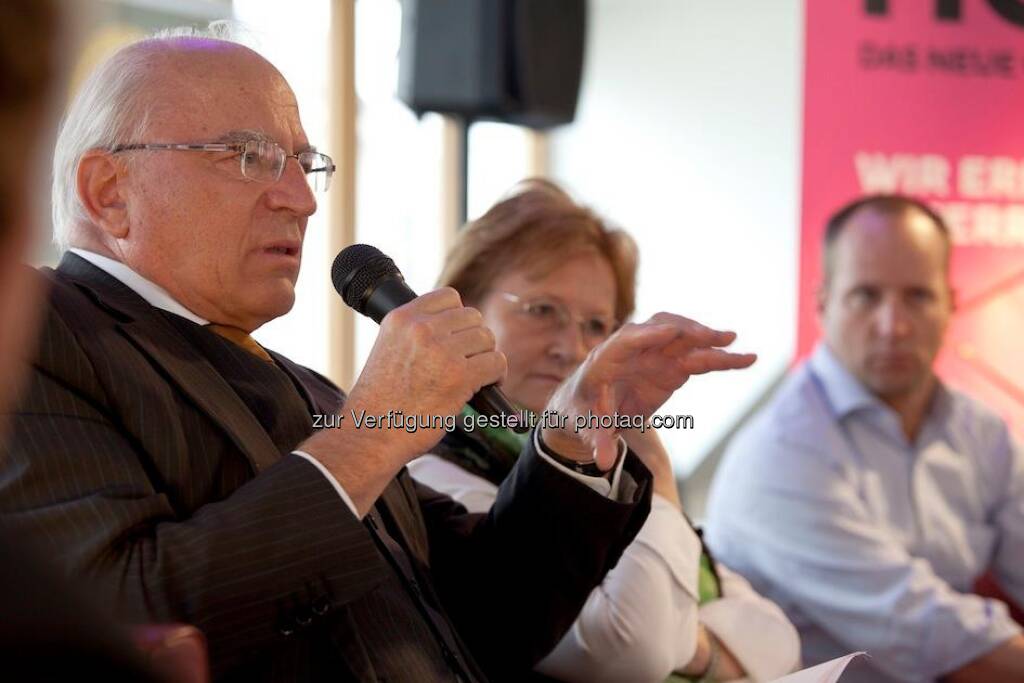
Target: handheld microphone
point(371, 284)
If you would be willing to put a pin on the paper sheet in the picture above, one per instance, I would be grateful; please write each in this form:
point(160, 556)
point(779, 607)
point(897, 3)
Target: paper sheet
point(829, 672)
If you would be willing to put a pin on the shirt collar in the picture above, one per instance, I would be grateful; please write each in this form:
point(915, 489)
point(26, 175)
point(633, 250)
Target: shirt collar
point(846, 394)
point(844, 391)
point(153, 293)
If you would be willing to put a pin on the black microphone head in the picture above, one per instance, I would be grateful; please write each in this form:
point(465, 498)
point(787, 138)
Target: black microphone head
point(356, 271)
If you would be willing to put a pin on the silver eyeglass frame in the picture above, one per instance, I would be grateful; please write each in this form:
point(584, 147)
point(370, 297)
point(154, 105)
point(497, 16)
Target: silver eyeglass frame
point(327, 169)
point(568, 317)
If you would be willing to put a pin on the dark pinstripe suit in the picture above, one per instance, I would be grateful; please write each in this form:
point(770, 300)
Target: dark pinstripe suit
point(51, 632)
point(136, 462)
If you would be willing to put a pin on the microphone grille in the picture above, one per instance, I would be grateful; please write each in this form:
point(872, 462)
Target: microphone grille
point(357, 269)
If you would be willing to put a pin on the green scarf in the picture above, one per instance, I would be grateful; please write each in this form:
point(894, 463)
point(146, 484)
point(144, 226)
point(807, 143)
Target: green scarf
point(501, 437)
point(707, 583)
point(707, 590)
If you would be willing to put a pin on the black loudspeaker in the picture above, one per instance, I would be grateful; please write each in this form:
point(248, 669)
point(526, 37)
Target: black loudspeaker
point(516, 61)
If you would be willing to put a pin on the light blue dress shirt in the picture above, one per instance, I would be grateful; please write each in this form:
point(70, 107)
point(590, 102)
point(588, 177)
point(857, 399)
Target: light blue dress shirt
point(866, 540)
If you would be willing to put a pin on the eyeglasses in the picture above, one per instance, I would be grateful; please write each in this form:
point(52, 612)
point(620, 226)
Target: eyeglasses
point(546, 314)
point(261, 160)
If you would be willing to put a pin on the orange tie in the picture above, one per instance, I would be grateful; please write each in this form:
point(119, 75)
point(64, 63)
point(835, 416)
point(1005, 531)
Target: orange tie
point(241, 338)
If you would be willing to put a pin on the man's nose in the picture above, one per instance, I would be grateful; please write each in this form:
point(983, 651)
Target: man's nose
point(892, 320)
point(292, 191)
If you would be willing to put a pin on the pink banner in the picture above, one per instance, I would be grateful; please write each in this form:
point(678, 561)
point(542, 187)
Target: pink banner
point(926, 98)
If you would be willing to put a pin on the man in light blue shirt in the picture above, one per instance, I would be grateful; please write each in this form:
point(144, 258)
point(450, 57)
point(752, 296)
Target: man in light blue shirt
point(867, 497)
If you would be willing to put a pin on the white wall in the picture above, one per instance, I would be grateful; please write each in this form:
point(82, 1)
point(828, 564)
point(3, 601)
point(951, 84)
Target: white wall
point(688, 135)
point(399, 163)
point(294, 39)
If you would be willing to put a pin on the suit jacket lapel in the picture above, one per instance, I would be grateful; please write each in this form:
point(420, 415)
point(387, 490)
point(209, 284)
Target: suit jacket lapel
point(317, 404)
point(166, 348)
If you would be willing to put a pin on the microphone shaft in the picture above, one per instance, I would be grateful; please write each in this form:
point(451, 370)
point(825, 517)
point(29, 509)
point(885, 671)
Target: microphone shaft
point(389, 294)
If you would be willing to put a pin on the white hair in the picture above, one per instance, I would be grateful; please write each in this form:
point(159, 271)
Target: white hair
point(113, 107)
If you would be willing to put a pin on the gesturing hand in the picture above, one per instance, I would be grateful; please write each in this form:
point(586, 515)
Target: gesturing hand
point(633, 373)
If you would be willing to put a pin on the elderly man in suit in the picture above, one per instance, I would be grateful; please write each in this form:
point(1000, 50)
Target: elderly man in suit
point(169, 459)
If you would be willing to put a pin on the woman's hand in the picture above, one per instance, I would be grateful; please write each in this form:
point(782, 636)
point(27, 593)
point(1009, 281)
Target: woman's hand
point(725, 667)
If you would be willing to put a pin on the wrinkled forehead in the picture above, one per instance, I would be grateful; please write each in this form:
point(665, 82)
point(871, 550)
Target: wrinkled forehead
point(201, 90)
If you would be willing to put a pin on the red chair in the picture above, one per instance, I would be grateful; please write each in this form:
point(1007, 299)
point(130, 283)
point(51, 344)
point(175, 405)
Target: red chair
point(987, 587)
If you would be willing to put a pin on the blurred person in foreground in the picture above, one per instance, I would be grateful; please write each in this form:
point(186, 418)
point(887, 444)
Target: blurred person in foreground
point(47, 631)
point(169, 460)
point(553, 282)
point(868, 497)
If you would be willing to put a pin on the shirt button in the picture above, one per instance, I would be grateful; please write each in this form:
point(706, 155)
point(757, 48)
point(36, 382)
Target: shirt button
point(321, 606)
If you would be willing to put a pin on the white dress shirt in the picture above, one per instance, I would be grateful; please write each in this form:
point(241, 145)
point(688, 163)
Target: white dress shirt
point(869, 541)
point(158, 297)
point(640, 624)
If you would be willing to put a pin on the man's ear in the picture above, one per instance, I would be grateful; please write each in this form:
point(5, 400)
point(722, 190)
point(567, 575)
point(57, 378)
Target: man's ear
point(99, 185)
point(821, 296)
